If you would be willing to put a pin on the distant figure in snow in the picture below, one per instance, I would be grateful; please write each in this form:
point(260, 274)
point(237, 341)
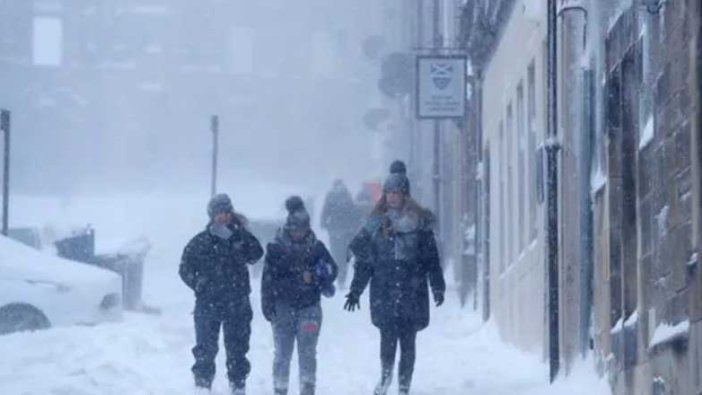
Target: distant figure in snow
point(214, 266)
point(364, 205)
point(340, 220)
point(396, 252)
point(298, 270)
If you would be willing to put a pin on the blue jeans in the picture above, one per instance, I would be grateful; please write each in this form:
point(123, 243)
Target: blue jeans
point(291, 325)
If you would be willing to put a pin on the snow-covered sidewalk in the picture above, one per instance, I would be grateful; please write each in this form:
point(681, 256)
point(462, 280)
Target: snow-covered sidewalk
point(150, 355)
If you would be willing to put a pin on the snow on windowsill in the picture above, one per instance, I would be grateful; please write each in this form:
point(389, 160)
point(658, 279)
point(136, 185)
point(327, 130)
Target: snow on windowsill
point(646, 134)
point(666, 333)
point(618, 12)
point(632, 320)
point(598, 181)
point(621, 324)
point(694, 258)
point(618, 327)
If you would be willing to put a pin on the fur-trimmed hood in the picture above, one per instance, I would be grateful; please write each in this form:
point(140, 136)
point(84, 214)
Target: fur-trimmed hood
point(379, 218)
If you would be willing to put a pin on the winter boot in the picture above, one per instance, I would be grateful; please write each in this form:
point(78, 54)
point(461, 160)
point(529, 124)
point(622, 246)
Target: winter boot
point(405, 382)
point(201, 391)
point(280, 391)
point(237, 388)
point(384, 384)
point(202, 386)
point(307, 389)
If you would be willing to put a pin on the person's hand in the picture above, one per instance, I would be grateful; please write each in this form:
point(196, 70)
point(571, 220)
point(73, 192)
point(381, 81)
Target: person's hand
point(352, 302)
point(200, 285)
point(439, 298)
point(307, 277)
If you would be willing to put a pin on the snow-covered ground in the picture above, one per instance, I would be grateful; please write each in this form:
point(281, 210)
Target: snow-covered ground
point(150, 355)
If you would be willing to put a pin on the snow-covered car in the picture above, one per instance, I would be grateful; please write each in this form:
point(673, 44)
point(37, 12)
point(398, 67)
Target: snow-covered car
point(39, 291)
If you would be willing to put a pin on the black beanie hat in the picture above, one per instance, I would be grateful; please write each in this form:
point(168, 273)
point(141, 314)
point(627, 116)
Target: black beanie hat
point(298, 218)
point(220, 203)
point(398, 167)
point(396, 182)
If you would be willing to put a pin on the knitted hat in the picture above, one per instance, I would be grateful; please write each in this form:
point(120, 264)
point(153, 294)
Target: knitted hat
point(398, 167)
point(298, 218)
point(396, 182)
point(220, 203)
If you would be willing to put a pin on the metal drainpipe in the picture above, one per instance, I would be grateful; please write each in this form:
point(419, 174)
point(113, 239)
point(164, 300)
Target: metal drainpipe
point(585, 143)
point(552, 149)
point(437, 44)
point(482, 201)
point(586, 247)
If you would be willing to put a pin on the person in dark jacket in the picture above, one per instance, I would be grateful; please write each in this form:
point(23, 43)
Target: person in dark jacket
point(298, 269)
point(214, 266)
point(340, 218)
point(396, 252)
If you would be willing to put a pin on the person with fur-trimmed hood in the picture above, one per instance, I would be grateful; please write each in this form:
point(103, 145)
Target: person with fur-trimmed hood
point(214, 266)
point(396, 252)
point(298, 270)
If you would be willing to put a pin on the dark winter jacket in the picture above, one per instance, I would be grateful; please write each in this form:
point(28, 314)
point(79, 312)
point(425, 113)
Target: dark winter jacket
point(285, 264)
point(400, 262)
point(216, 269)
point(340, 214)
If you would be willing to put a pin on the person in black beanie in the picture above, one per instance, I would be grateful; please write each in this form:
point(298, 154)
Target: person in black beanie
point(399, 167)
point(396, 252)
point(298, 270)
point(214, 266)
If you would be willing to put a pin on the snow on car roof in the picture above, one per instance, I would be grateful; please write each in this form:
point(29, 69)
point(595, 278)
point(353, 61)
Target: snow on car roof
point(20, 262)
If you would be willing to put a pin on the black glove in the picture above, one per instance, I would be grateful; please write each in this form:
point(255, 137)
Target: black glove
point(352, 302)
point(200, 285)
point(439, 298)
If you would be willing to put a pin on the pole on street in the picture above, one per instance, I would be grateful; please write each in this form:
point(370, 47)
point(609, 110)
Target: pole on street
point(5, 126)
point(214, 127)
point(438, 43)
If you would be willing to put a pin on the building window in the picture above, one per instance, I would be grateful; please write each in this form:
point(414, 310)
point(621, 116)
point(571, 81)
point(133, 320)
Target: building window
point(522, 166)
point(531, 149)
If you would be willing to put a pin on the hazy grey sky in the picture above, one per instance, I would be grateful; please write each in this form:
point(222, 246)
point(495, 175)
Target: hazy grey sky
point(129, 106)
